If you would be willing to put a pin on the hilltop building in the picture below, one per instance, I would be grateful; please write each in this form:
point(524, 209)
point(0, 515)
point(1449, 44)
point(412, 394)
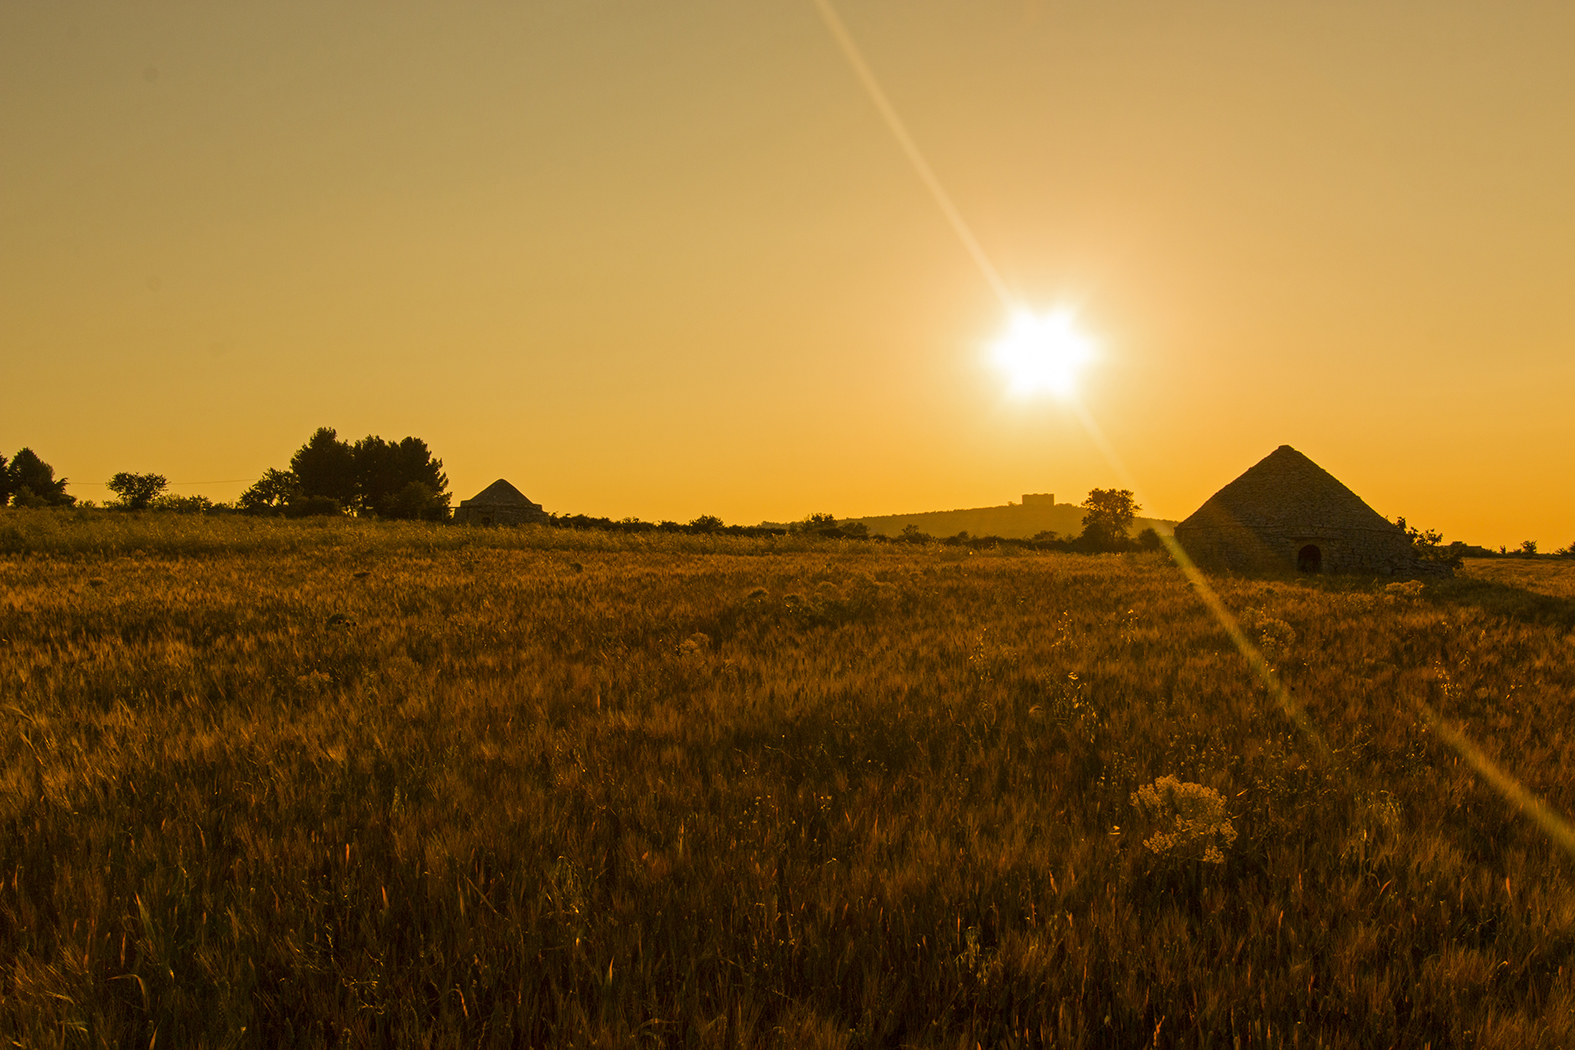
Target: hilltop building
point(498, 504)
point(1287, 512)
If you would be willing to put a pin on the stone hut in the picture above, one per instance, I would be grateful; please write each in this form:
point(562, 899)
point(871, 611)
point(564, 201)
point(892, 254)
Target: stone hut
point(1287, 512)
point(498, 504)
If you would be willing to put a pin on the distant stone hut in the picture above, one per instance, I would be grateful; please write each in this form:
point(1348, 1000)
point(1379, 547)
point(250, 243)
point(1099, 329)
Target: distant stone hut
point(1287, 512)
point(498, 504)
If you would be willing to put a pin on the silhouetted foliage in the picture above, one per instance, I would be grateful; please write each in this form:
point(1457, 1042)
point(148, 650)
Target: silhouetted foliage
point(399, 479)
point(325, 466)
point(271, 494)
point(417, 501)
point(911, 533)
point(32, 482)
point(187, 504)
point(313, 507)
point(585, 521)
point(5, 481)
point(1149, 540)
point(1109, 517)
point(706, 523)
point(1429, 545)
point(1528, 546)
point(388, 479)
point(819, 523)
point(825, 525)
point(136, 491)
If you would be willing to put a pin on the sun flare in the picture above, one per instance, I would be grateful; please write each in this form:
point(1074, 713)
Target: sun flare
point(1042, 354)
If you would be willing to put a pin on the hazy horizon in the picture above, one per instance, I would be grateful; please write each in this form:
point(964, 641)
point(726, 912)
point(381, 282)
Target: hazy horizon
point(668, 261)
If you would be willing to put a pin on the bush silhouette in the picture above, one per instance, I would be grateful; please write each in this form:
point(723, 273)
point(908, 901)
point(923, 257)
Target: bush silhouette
point(271, 494)
point(136, 491)
point(32, 482)
point(313, 507)
point(1109, 517)
point(325, 466)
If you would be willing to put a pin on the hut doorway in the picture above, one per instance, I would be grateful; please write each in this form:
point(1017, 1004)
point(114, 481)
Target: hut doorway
point(1309, 559)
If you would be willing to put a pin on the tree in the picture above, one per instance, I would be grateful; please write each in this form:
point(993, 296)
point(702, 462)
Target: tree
point(825, 525)
point(33, 482)
point(1429, 545)
point(417, 501)
point(1528, 547)
point(272, 493)
point(399, 479)
point(1426, 541)
point(706, 523)
point(313, 507)
point(326, 466)
point(136, 491)
point(1109, 517)
point(5, 481)
point(1149, 540)
point(389, 479)
point(819, 523)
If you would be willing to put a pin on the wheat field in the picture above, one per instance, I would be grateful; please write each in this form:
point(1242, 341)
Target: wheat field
point(359, 784)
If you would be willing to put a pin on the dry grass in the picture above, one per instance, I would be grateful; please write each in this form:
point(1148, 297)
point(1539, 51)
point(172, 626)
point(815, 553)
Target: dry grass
point(1550, 576)
point(382, 785)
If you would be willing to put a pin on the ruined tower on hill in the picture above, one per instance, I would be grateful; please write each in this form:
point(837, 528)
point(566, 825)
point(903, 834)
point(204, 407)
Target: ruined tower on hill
point(1287, 512)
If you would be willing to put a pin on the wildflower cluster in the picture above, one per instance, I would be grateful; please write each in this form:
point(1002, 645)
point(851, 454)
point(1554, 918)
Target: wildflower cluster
point(1190, 819)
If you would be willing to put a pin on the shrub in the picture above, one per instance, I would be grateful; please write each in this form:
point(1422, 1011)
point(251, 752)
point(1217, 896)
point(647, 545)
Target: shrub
point(136, 491)
point(271, 494)
point(184, 504)
point(32, 482)
point(1429, 545)
point(1189, 819)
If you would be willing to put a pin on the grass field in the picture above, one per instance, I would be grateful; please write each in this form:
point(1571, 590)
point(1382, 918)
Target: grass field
point(293, 784)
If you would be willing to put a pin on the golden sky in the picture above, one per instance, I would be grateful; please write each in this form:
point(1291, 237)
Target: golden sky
point(665, 259)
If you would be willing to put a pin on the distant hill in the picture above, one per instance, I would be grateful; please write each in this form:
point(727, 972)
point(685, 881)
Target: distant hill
point(1037, 513)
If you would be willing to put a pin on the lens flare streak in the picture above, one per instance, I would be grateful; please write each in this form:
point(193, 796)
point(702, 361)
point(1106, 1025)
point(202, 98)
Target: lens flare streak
point(1044, 354)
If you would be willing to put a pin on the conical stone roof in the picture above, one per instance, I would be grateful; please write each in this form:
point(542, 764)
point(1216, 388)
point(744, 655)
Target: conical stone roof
point(1285, 504)
point(499, 494)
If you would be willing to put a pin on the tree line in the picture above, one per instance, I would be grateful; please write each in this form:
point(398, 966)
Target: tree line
point(371, 477)
point(401, 479)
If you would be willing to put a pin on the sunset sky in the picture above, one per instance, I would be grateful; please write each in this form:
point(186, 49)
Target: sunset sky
point(666, 259)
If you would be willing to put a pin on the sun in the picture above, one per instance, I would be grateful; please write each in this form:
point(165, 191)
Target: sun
point(1042, 354)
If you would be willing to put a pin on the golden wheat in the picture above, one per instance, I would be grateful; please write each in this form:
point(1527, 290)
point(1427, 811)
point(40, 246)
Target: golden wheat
point(279, 784)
